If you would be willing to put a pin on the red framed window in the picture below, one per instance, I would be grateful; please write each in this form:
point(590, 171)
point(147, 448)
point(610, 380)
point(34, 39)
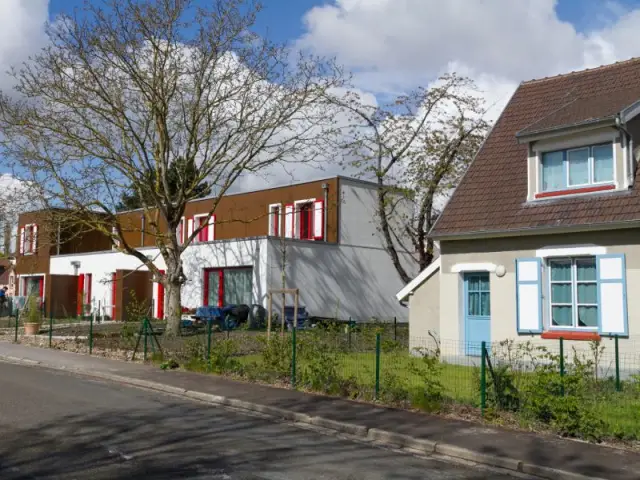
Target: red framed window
point(228, 286)
point(305, 221)
point(28, 239)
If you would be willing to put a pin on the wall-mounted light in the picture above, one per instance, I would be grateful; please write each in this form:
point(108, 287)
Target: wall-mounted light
point(500, 271)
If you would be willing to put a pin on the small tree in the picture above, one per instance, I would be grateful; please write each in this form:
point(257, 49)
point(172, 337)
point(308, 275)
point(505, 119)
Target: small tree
point(130, 87)
point(417, 148)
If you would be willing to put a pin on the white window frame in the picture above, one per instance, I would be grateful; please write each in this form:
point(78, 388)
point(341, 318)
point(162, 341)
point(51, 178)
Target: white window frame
point(196, 226)
point(296, 214)
point(588, 140)
point(270, 213)
point(574, 293)
point(567, 170)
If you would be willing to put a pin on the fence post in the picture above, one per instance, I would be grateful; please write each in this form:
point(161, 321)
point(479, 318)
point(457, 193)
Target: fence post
point(377, 391)
point(17, 318)
point(91, 333)
point(562, 366)
point(395, 329)
point(293, 356)
point(50, 327)
point(483, 378)
point(209, 326)
point(145, 331)
point(618, 387)
point(349, 333)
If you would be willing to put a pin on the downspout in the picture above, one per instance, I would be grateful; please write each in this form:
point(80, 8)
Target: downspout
point(143, 224)
point(325, 187)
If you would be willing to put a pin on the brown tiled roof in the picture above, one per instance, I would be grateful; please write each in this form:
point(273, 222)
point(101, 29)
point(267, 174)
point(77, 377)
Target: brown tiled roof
point(492, 196)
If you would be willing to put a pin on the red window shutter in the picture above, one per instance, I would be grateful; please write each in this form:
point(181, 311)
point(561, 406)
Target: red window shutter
point(88, 288)
point(160, 306)
point(41, 288)
point(318, 220)
point(80, 295)
point(221, 288)
point(113, 295)
point(205, 300)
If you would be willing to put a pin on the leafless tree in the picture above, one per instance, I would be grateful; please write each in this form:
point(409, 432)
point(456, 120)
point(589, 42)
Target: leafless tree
point(125, 88)
point(417, 147)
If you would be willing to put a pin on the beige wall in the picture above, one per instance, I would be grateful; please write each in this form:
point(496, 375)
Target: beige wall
point(424, 313)
point(504, 252)
point(571, 141)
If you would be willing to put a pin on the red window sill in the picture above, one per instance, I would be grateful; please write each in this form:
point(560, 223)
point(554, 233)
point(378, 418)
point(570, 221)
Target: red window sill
point(567, 335)
point(575, 191)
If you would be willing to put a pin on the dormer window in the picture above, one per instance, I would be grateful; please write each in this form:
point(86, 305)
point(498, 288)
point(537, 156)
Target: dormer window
point(576, 170)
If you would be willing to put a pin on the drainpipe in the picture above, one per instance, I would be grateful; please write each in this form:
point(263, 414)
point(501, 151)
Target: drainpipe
point(325, 187)
point(143, 224)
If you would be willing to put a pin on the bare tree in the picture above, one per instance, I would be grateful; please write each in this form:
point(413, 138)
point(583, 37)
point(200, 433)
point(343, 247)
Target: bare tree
point(129, 87)
point(417, 148)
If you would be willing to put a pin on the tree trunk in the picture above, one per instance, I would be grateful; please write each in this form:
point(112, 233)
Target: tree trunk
point(174, 309)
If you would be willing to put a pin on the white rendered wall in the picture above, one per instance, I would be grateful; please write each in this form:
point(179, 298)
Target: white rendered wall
point(232, 253)
point(337, 280)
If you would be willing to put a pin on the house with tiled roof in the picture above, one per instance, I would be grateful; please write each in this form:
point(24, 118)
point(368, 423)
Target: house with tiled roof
point(541, 239)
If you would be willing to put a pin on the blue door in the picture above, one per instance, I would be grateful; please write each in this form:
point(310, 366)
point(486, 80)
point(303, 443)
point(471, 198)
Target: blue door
point(477, 312)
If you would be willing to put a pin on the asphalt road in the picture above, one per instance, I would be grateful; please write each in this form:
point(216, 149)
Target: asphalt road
point(57, 425)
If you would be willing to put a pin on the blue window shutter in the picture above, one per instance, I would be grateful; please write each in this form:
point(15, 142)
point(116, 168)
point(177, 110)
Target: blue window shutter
point(529, 295)
point(612, 295)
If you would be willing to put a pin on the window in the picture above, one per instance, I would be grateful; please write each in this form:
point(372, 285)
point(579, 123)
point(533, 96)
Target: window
point(274, 220)
point(203, 235)
point(305, 220)
point(228, 286)
point(573, 293)
point(29, 239)
point(577, 167)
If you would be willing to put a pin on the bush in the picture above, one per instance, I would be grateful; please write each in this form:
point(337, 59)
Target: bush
point(223, 356)
point(563, 402)
point(430, 395)
point(393, 389)
point(276, 355)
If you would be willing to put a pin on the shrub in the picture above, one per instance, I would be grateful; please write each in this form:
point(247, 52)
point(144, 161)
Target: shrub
point(276, 353)
point(429, 395)
point(223, 356)
point(394, 390)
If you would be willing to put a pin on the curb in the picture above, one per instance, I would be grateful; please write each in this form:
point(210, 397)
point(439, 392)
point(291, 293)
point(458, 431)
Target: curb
point(384, 437)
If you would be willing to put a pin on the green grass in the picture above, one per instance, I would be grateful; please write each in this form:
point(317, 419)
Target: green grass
point(459, 381)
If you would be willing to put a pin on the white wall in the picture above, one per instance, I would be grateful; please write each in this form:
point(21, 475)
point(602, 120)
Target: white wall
point(225, 253)
point(234, 253)
point(338, 280)
point(101, 266)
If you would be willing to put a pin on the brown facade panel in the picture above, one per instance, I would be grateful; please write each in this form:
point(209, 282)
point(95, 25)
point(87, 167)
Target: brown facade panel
point(134, 291)
point(241, 215)
point(61, 295)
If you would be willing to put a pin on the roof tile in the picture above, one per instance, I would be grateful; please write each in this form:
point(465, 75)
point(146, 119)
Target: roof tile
point(500, 166)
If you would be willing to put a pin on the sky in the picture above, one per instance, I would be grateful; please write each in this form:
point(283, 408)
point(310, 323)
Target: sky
point(393, 46)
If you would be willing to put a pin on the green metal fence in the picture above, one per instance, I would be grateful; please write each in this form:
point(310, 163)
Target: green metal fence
point(585, 389)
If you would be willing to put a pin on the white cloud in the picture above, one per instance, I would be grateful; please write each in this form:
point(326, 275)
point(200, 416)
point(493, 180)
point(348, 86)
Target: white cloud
point(399, 44)
point(21, 33)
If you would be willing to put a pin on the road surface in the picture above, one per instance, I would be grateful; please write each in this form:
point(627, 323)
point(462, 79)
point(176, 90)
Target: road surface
point(57, 425)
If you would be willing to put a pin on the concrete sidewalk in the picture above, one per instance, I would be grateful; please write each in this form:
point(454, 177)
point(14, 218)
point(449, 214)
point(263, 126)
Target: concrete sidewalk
point(533, 453)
